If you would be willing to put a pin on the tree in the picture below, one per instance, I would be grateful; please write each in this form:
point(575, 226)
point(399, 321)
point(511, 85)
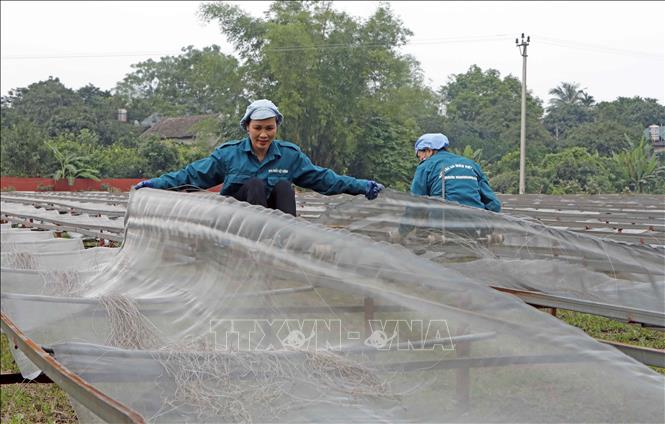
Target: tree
point(120, 161)
point(194, 82)
point(159, 157)
point(504, 174)
point(390, 159)
point(604, 137)
point(566, 117)
point(330, 73)
point(639, 167)
point(586, 99)
point(634, 112)
point(40, 102)
point(23, 152)
point(575, 170)
point(483, 111)
point(470, 153)
point(57, 110)
point(566, 94)
point(569, 108)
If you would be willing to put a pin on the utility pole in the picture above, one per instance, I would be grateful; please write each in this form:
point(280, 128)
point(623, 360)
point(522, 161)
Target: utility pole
point(522, 46)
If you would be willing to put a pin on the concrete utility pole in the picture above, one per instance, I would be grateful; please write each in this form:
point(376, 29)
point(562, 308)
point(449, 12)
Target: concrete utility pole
point(522, 46)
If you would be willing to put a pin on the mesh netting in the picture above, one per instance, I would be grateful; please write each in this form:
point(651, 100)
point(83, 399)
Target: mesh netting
point(217, 311)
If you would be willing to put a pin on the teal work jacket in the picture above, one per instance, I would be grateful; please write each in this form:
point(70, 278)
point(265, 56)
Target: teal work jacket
point(464, 182)
point(234, 163)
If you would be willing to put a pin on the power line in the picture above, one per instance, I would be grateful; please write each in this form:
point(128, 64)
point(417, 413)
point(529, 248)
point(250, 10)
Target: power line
point(595, 47)
point(89, 55)
point(448, 40)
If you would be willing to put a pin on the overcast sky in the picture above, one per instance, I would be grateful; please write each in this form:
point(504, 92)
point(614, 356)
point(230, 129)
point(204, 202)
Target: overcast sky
point(611, 49)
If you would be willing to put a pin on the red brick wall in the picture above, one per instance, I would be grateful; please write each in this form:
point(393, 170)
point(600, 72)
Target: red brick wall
point(80, 184)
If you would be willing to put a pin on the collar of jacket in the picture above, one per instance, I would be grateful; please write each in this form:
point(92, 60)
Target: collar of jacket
point(273, 150)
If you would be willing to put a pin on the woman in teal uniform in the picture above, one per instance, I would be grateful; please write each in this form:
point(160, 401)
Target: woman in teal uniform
point(456, 178)
point(260, 169)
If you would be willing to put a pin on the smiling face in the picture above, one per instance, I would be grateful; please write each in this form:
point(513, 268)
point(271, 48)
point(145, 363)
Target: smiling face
point(261, 134)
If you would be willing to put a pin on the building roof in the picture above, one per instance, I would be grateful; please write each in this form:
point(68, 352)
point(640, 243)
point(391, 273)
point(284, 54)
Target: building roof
point(178, 127)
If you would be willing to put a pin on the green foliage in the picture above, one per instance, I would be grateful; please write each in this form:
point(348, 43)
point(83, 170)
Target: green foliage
point(22, 150)
point(72, 166)
point(56, 110)
point(504, 174)
point(42, 103)
point(329, 74)
point(351, 100)
point(31, 403)
point(572, 170)
point(190, 153)
point(118, 161)
point(388, 155)
point(575, 170)
point(195, 82)
point(612, 330)
point(604, 137)
point(159, 157)
point(469, 153)
point(484, 111)
point(566, 117)
point(631, 112)
point(639, 167)
point(567, 94)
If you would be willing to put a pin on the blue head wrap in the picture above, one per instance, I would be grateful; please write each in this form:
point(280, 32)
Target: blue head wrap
point(434, 141)
point(260, 109)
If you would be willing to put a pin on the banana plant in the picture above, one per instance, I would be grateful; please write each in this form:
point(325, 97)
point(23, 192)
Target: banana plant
point(72, 166)
point(639, 165)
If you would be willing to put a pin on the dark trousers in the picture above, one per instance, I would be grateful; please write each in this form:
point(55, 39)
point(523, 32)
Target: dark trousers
point(282, 197)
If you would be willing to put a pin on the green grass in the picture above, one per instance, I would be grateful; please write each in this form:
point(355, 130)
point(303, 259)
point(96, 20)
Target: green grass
point(31, 403)
point(614, 331)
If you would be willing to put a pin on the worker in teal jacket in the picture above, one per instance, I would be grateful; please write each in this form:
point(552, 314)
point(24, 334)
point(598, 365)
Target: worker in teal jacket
point(260, 169)
point(444, 174)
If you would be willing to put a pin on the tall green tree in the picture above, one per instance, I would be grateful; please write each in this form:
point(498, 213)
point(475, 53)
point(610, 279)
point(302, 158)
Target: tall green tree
point(565, 117)
point(22, 150)
point(587, 99)
point(49, 105)
point(390, 157)
point(569, 108)
point(194, 82)
point(329, 73)
point(630, 112)
point(56, 110)
point(504, 174)
point(483, 110)
point(604, 137)
point(568, 93)
point(159, 157)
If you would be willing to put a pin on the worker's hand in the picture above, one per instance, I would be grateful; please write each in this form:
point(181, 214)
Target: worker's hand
point(146, 183)
point(373, 189)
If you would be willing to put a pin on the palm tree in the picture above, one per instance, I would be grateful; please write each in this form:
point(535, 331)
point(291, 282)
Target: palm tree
point(566, 94)
point(586, 99)
point(72, 166)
